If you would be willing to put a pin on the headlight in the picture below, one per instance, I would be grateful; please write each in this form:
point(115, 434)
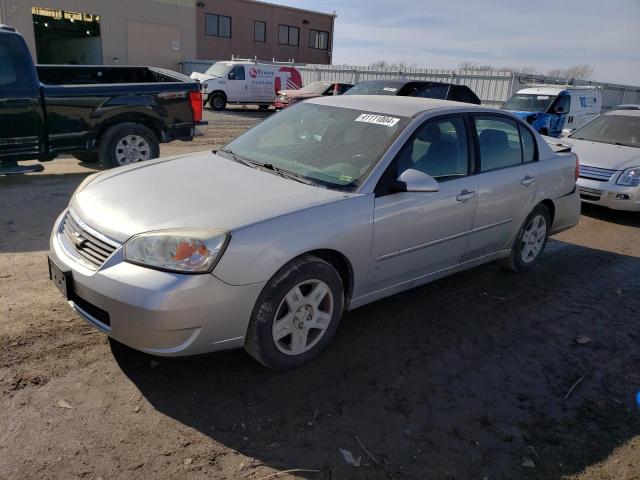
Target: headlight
point(282, 98)
point(630, 177)
point(182, 250)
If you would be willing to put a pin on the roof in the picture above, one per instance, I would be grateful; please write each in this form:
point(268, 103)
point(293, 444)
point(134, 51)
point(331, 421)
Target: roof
point(287, 7)
point(393, 105)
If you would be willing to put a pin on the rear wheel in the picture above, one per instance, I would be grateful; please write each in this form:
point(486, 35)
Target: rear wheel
point(128, 143)
point(296, 314)
point(217, 101)
point(530, 241)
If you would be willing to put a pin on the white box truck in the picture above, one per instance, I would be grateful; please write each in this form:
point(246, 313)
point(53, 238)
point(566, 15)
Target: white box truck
point(552, 109)
point(246, 82)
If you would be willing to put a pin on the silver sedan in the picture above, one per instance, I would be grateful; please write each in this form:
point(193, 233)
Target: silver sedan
point(327, 206)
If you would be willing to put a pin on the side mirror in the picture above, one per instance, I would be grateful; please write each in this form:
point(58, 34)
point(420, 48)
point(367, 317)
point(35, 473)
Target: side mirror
point(560, 110)
point(416, 181)
point(232, 75)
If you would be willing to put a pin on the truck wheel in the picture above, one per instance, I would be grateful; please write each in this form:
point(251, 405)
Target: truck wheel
point(296, 315)
point(87, 157)
point(217, 101)
point(128, 143)
point(530, 241)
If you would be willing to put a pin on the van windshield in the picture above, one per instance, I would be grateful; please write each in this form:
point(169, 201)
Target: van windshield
point(217, 69)
point(525, 102)
point(326, 145)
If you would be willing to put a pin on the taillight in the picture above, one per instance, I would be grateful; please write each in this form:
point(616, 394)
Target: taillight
point(577, 167)
point(195, 99)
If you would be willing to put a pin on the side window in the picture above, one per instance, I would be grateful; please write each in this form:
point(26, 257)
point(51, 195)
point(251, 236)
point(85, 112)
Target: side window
point(343, 87)
point(237, 73)
point(461, 94)
point(563, 103)
point(434, 91)
point(438, 148)
point(8, 73)
point(499, 142)
point(528, 145)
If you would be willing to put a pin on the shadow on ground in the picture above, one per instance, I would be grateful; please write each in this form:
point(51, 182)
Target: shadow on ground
point(462, 378)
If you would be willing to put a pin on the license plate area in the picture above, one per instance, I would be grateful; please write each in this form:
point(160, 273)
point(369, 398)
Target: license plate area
point(60, 278)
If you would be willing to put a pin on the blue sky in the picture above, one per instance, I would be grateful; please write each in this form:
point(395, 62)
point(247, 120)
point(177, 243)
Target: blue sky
point(544, 34)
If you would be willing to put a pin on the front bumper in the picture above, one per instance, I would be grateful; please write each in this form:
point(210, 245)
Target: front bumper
point(156, 312)
point(609, 194)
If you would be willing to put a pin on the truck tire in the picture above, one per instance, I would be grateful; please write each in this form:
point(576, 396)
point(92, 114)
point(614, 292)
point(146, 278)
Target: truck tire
point(127, 143)
point(296, 315)
point(87, 157)
point(217, 101)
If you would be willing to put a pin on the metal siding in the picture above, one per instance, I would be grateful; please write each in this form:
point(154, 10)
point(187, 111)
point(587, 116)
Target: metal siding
point(113, 21)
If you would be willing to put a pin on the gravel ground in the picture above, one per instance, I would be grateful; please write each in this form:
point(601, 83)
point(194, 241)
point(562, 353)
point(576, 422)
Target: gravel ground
point(468, 377)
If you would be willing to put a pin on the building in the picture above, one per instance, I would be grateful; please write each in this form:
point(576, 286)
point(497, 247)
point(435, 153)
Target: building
point(165, 33)
point(249, 28)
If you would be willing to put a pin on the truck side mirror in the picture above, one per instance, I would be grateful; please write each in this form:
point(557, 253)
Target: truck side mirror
point(232, 75)
point(560, 109)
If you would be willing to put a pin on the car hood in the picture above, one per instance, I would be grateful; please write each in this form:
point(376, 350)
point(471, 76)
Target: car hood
point(604, 155)
point(200, 190)
point(202, 77)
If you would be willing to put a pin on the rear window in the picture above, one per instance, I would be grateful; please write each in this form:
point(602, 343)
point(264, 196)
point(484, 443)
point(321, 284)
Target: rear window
point(375, 88)
point(8, 65)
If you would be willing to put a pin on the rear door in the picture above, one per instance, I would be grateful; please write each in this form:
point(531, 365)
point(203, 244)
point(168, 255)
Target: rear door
point(418, 233)
point(507, 179)
point(21, 120)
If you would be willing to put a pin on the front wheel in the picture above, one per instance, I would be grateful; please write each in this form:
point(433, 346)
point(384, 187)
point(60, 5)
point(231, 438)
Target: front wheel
point(296, 315)
point(128, 143)
point(218, 102)
point(530, 241)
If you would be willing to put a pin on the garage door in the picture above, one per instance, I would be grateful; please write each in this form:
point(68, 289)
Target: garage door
point(154, 45)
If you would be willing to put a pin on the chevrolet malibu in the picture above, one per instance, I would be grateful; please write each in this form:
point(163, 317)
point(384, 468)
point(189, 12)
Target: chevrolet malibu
point(332, 204)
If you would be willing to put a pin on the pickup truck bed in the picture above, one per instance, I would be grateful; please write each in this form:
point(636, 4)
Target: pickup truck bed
point(114, 114)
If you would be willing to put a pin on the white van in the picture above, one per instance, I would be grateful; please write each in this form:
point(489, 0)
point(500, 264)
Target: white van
point(246, 82)
point(550, 109)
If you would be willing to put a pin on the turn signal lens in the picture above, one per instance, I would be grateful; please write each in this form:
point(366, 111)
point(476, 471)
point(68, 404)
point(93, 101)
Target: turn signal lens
point(195, 99)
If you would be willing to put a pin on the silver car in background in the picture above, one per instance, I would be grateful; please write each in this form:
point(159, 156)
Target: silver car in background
point(327, 206)
point(609, 151)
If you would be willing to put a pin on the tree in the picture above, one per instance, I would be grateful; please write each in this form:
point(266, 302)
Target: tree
point(384, 65)
point(576, 72)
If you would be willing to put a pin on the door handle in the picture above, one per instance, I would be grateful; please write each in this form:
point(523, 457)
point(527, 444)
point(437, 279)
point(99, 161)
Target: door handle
point(528, 180)
point(465, 196)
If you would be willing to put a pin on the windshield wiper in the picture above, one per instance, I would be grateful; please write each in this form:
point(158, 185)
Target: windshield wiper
point(287, 174)
point(239, 159)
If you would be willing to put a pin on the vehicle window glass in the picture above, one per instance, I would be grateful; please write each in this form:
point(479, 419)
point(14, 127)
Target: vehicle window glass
point(342, 88)
point(525, 102)
point(613, 129)
point(563, 102)
point(528, 145)
point(433, 91)
point(461, 94)
point(336, 147)
point(237, 73)
point(8, 75)
point(499, 142)
point(438, 148)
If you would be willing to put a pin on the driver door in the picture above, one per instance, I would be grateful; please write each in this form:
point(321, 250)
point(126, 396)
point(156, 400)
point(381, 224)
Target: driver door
point(237, 85)
point(415, 233)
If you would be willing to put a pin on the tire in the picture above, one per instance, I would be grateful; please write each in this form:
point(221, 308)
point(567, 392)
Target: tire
point(87, 157)
point(127, 143)
point(217, 101)
point(531, 240)
point(289, 328)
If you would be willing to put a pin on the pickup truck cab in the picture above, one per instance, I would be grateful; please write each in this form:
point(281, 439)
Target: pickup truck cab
point(553, 109)
point(246, 82)
point(117, 115)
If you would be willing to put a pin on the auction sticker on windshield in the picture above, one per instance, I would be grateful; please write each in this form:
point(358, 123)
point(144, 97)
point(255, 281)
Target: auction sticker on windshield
point(377, 119)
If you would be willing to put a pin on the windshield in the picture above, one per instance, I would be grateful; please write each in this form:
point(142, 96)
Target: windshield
point(217, 69)
point(331, 146)
point(316, 88)
point(522, 102)
point(374, 88)
point(614, 129)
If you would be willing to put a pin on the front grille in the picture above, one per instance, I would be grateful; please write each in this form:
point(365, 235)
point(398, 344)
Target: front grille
point(94, 250)
point(592, 194)
point(595, 173)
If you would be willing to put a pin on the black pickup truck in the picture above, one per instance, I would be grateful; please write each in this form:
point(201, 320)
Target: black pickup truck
point(113, 114)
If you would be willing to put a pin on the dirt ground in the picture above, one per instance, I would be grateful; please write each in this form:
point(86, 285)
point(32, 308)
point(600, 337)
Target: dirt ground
point(468, 377)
